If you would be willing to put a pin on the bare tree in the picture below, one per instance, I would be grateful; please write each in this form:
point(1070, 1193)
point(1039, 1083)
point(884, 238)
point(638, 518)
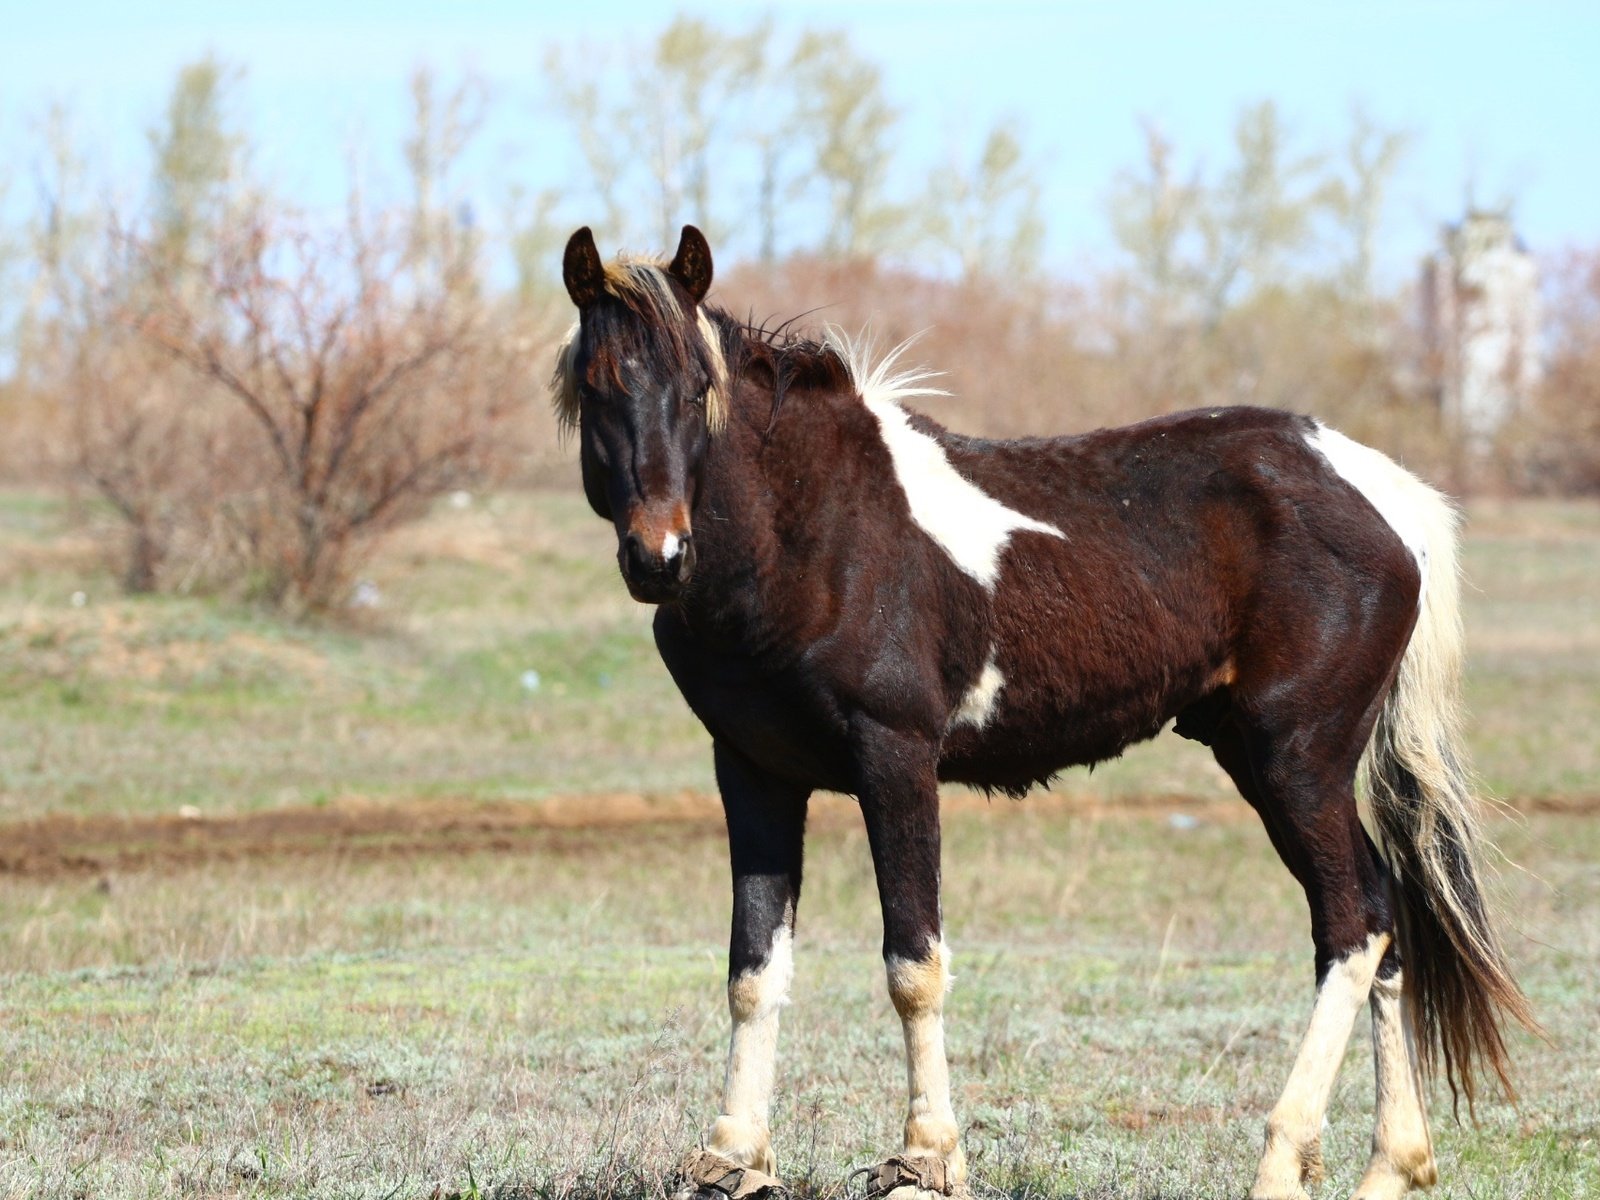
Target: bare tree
point(349, 394)
point(1555, 447)
point(653, 149)
point(1356, 196)
point(1156, 218)
point(50, 264)
point(1259, 215)
point(443, 126)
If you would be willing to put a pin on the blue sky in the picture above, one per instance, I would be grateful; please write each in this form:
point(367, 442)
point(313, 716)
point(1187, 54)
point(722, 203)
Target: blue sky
point(1503, 96)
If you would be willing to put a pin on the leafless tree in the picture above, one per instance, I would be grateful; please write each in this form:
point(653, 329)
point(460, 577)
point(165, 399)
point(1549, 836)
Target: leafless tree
point(351, 391)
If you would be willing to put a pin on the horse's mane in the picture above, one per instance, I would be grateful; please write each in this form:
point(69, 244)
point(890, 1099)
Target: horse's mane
point(776, 357)
point(835, 361)
point(646, 290)
point(769, 353)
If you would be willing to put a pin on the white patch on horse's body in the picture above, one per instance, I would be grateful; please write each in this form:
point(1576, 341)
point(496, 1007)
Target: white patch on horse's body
point(1402, 1151)
point(983, 697)
point(1293, 1151)
point(1387, 486)
point(754, 998)
point(970, 525)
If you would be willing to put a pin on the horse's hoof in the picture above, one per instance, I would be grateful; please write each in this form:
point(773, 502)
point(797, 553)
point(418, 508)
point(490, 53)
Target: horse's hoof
point(911, 1177)
point(912, 1192)
point(706, 1175)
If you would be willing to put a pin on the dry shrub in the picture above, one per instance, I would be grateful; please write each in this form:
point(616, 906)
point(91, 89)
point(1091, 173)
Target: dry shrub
point(261, 418)
point(1042, 358)
point(1010, 355)
point(164, 454)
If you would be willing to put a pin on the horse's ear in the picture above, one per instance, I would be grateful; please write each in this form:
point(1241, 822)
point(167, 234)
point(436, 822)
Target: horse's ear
point(692, 264)
point(581, 269)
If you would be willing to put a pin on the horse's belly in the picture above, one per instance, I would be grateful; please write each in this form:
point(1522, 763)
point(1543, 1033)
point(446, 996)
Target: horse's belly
point(1044, 717)
point(1016, 751)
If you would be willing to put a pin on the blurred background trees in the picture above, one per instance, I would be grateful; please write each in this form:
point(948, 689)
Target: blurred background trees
point(254, 393)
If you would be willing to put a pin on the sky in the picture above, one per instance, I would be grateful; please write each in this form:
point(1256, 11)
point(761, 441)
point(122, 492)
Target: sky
point(1502, 100)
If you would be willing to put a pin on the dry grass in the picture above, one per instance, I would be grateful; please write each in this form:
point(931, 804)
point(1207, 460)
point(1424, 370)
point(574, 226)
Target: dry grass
point(1128, 996)
point(128, 705)
point(484, 1003)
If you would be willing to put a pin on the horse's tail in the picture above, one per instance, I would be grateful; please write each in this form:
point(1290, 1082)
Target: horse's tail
point(1420, 791)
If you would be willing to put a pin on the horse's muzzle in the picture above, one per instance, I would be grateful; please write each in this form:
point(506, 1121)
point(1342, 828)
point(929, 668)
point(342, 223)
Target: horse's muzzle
point(656, 576)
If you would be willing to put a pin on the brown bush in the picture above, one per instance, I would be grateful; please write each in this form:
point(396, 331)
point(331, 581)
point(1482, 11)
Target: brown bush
point(1041, 358)
point(1012, 360)
point(260, 418)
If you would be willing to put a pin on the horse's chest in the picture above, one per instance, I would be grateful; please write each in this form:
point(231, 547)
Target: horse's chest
point(774, 718)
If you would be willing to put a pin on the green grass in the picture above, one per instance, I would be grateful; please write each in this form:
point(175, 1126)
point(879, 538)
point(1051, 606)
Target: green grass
point(1128, 999)
point(549, 1020)
point(126, 705)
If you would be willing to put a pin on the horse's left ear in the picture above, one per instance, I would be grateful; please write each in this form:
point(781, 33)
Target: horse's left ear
point(691, 266)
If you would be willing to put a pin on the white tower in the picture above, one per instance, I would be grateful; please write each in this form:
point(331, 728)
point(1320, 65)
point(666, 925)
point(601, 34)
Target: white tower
point(1481, 314)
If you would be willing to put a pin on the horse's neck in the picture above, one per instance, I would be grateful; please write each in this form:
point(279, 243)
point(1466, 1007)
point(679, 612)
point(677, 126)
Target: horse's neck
point(758, 475)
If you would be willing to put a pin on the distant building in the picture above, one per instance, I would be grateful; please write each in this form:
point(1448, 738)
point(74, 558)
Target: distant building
point(1481, 315)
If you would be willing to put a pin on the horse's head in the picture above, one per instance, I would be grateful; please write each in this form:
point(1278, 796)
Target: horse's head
point(642, 379)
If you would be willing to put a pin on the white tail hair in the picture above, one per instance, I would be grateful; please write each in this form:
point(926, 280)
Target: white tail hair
point(1422, 797)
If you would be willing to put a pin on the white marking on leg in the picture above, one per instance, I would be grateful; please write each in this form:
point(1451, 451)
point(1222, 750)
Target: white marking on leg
point(1293, 1150)
point(970, 525)
point(754, 999)
point(1402, 1151)
point(982, 698)
point(917, 987)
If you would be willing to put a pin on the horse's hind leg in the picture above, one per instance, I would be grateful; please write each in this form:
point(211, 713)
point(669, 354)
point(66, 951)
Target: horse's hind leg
point(1307, 801)
point(766, 833)
point(1402, 1151)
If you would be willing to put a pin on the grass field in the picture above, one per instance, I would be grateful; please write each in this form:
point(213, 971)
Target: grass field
point(383, 950)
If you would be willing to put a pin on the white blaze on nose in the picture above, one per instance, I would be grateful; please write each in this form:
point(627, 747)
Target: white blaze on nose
point(669, 547)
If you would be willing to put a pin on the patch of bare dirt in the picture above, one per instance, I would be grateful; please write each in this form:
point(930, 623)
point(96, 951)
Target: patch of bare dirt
point(364, 828)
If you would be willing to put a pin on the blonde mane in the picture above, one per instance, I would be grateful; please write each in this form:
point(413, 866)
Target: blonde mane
point(880, 378)
point(643, 285)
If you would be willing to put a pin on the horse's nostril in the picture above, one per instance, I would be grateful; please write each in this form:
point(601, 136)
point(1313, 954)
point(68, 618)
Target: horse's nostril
point(685, 559)
point(635, 557)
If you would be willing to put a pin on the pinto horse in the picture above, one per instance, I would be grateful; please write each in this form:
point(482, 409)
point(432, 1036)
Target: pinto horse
point(852, 597)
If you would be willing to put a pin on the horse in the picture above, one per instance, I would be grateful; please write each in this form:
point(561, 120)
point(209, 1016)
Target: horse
point(851, 597)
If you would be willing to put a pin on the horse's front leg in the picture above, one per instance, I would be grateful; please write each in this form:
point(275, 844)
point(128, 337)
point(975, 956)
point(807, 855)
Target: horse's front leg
point(900, 802)
point(766, 831)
